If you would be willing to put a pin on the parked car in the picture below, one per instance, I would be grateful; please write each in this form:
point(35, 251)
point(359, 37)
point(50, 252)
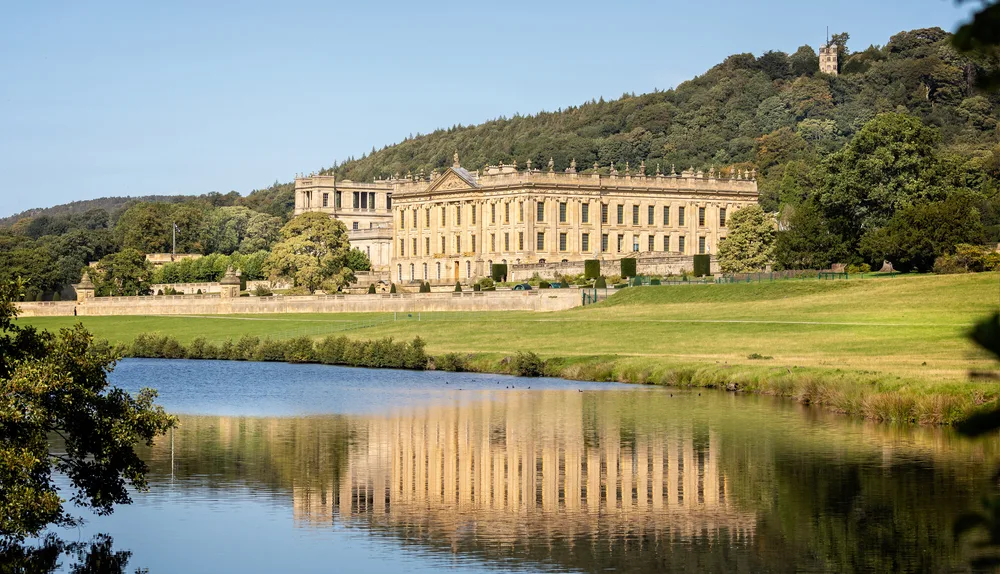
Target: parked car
point(522, 287)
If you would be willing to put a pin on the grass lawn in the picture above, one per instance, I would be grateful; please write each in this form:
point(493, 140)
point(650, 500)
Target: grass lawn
point(905, 332)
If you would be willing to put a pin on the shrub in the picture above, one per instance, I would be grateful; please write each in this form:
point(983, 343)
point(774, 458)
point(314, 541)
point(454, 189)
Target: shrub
point(946, 264)
point(852, 269)
point(458, 286)
point(262, 291)
point(654, 281)
point(245, 348)
point(300, 350)
point(527, 364)
point(601, 283)
point(159, 291)
point(415, 355)
point(425, 287)
point(330, 351)
point(56, 296)
point(544, 284)
point(392, 288)
point(371, 288)
point(200, 348)
point(485, 283)
point(628, 267)
point(453, 362)
point(621, 285)
point(758, 356)
point(476, 287)
point(865, 268)
point(591, 269)
point(269, 350)
point(227, 350)
point(564, 284)
point(148, 345)
point(198, 292)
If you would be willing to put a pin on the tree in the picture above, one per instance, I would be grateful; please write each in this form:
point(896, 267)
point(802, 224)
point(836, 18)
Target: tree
point(918, 234)
point(358, 260)
point(804, 61)
point(749, 246)
point(124, 273)
point(312, 252)
point(56, 385)
point(145, 227)
point(807, 242)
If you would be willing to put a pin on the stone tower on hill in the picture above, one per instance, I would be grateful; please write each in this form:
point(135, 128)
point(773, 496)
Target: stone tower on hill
point(828, 59)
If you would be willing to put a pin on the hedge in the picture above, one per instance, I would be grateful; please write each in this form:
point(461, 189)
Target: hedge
point(628, 267)
point(499, 272)
point(702, 265)
point(591, 269)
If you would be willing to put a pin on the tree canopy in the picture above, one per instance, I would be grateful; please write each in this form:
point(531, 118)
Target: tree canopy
point(313, 252)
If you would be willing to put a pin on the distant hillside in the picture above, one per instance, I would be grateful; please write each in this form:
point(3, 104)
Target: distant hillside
point(108, 204)
point(721, 117)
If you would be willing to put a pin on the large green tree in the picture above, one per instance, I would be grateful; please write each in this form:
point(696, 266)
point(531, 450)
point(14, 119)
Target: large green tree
point(313, 253)
point(59, 414)
point(124, 273)
point(749, 245)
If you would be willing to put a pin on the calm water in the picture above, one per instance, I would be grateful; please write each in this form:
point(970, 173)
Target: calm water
point(304, 468)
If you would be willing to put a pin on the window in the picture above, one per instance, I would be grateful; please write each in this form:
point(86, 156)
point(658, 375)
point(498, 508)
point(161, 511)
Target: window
point(427, 246)
point(399, 271)
point(458, 215)
point(444, 248)
point(540, 244)
point(425, 272)
point(621, 241)
point(585, 242)
point(666, 215)
point(443, 216)
point(680, 216)
point(520, 241)
point(458, 244)
point(680, 244)
point(402, 244)
point(474, 207)
point(506, 212)
point(562, 242)
point(652, 240)
point(357, 203)
point(506, 241)
point(701, 245)
point(493, 242)
point(666, 243)
point(402, 220)
point(364, 201)
point(427, 213)
point(473, 241)
point(388, 205)
point(411, 272)
point(604, 213)
point(562, 212)
point(585, 213)
point(414, 218)
point(621, 214)
point(722, 217)
point(337, 199)
point(414, 251)
point(354, 226)
point(604, 242)
point(541, 211)
point(635, 215)
point(701, 217)
point(652, 215)
point(468, 269)
point(439, 270)
point(371, 200)
point(326, 200)
point(493, 213)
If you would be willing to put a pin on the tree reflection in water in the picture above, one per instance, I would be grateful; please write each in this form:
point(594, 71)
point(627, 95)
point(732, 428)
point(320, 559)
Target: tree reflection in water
point(95, 557)
point(598, 480)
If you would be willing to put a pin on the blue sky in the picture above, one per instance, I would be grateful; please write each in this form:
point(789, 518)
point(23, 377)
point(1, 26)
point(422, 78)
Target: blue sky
point(136, 98)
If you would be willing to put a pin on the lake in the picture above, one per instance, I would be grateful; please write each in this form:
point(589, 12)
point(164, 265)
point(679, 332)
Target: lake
point(310, 468)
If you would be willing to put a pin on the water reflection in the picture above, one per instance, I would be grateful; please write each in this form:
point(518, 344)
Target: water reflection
point(630, 481)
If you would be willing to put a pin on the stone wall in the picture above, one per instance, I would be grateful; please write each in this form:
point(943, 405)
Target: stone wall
point(537, 300)
point(645, 265)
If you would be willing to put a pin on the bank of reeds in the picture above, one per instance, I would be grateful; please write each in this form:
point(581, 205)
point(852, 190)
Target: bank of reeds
point(869, 395)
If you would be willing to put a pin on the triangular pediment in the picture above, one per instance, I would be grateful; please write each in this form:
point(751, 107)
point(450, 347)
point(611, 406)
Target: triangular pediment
point(453, 179)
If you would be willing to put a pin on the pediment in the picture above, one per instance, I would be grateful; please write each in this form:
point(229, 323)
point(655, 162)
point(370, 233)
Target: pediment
point(452, 179)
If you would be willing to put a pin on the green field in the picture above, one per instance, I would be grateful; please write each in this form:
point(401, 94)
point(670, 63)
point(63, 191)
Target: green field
point(885, 338)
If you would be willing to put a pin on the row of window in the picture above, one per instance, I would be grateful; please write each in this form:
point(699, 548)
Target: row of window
point(361, 200)
point(540, 243)
point(584, 215)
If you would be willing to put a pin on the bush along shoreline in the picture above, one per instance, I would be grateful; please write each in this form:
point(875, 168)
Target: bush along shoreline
point(871, 396)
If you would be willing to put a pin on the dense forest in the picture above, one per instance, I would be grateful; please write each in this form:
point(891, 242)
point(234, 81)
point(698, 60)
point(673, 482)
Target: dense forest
point(896, 157)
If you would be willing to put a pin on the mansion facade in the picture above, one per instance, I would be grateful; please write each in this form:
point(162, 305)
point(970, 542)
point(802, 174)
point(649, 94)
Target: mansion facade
point(456, 224)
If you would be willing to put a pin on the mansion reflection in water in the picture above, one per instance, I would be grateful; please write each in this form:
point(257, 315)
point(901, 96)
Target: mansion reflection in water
point(543, 463)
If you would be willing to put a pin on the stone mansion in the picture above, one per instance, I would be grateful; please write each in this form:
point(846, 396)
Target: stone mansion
point(454, 225)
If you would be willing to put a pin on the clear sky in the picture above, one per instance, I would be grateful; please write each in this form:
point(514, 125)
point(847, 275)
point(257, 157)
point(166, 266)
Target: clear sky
point(135, 98)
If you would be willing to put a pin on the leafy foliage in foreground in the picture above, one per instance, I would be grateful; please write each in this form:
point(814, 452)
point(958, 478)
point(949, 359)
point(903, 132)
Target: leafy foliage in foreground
point(57, 412)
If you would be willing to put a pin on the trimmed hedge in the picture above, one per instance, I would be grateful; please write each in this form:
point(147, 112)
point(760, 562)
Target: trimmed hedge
point(499, 272)
point(628, 267)
point(601, 283)
point(458, 286)
point(702, 265)
point(425, 287)
point(392, 288)
point(544, 285)
point(591, 269)
point(371, 288)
